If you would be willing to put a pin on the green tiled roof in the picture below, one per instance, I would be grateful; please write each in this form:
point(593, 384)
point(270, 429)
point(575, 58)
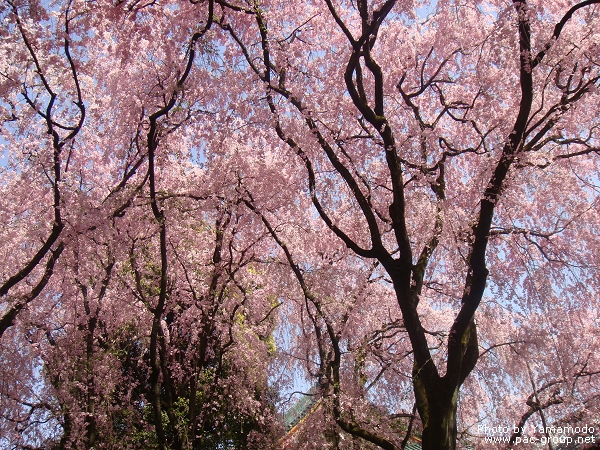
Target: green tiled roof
point(304, 406)
point(413, 445)
point(300, 409)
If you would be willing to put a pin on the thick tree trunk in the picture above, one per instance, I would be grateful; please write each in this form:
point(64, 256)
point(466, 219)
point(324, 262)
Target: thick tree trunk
point(437, 397)
point(441, 432)
point(438, 413)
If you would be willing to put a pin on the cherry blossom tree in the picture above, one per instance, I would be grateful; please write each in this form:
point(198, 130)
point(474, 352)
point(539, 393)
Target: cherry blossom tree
point(397, 199)
point(145, 319)
point(454, 147)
